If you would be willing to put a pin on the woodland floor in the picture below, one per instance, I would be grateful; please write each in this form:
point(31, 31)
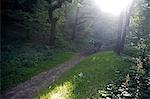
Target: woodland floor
point(32, 87)
point(85, 79)
point(93, 68)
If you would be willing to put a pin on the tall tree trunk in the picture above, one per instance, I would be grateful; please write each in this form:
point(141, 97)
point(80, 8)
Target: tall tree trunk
point(147, 18)
point(119, 34)
point(124, 25)
point(126, 22)
point(53, 32)
point(65, 21)
point(125, 30)
point(75, 24)
point(52, 21)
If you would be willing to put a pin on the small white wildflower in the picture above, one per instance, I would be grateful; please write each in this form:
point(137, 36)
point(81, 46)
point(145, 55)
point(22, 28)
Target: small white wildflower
point(126, 94)
point(120, 89)
point(80, 74)
point(133, 58)
point(132, 43)
point(108, 98)
point(109, 89)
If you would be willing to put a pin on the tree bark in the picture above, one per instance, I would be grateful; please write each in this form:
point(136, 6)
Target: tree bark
point(125, 30)
point(53, 32)
point(53, 24)
point(124, 25)
point(53, 20)
point(75, 25)
point(63, 28)
point(118, 41)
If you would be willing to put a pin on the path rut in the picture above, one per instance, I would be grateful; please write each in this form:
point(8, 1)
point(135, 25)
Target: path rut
point(32, 87)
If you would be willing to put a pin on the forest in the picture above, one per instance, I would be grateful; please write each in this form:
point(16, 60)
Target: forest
point(75, 49)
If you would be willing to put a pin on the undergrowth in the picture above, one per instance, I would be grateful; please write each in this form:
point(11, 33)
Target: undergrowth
point(22, 63)
point(87, 77)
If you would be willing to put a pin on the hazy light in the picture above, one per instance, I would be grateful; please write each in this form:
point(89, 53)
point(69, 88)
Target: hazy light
point(63, 91)
point(114, 7)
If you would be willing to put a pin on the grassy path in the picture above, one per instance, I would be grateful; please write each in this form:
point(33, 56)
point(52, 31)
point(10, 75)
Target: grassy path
point(87, 77)
point(13, 75)
point(80, 82)
point(32, 87)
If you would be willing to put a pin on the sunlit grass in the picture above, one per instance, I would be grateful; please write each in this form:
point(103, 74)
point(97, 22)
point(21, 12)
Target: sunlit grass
point(15, 75)
point(63, 91)
point(87, 77)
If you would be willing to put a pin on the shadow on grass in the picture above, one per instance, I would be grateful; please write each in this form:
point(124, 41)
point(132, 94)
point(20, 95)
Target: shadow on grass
point(87, 77)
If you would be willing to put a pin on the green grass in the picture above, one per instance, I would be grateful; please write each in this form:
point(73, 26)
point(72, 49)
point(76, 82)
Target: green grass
point(87, 77)
point(13, 75)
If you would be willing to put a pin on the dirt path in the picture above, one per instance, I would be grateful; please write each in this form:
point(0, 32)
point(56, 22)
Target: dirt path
point(32, 87)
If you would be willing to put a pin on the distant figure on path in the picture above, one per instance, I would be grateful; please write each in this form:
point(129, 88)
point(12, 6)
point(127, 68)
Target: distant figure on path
point(97, 46)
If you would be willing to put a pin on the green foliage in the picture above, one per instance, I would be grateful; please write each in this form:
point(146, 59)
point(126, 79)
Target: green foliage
point(136, 84)
point(22, 66)
point(21, 1)
point(25, 36)
point(90, 75)
point(24, 26)
point(131, 51)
